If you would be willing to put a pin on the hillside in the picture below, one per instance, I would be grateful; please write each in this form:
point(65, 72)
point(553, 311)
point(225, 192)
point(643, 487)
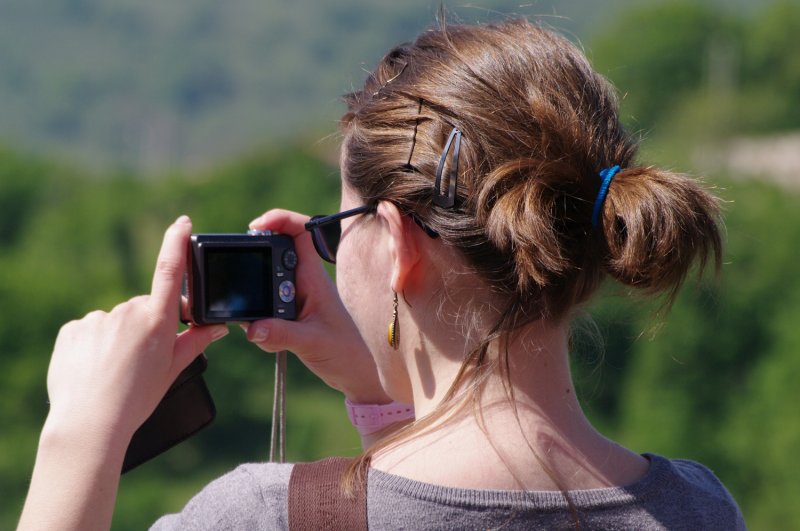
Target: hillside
point(149, 85)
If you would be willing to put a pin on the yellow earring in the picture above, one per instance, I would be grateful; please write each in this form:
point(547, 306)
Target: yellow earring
point(394, 340)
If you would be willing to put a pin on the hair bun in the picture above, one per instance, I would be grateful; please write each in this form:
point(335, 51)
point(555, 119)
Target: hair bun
point(656, 225)
point(518, 204)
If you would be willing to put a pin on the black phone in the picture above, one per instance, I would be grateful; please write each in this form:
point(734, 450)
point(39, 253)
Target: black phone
point(186, 408)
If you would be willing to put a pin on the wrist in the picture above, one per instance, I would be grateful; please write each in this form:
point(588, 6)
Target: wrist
point(361, 395)
point(96, 442)
point(371, 418)
point(362, 385)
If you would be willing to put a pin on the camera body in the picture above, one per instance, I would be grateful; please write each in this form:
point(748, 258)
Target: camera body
point(240, 277)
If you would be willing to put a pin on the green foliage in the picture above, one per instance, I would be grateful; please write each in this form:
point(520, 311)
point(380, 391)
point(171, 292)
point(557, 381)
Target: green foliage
point(655, 56)
point(148, 84)
point(770, 75)
point(765, 434)
point(20, 184)
point(689, 69)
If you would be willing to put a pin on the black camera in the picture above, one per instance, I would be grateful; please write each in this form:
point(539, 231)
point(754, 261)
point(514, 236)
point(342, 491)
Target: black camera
point(241, 277)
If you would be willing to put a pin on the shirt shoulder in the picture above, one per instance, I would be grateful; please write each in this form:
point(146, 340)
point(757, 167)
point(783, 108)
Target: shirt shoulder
point(673, 495)
point(252, 496)
point(699, 493)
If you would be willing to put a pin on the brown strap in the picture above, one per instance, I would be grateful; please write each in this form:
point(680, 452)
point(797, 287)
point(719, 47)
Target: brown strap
point(316, 500)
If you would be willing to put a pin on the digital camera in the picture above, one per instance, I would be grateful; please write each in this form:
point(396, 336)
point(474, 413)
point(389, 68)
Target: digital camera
point(240, 277)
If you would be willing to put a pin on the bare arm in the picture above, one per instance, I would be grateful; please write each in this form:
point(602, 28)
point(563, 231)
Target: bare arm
point(75, 480)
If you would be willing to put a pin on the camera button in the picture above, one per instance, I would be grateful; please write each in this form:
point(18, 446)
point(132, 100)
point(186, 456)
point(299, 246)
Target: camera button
point(286, 291)
point(289, 259)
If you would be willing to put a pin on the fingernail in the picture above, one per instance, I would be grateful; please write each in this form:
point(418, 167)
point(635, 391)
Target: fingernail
point(219, 332)
point(254, 221)
point(183, 219)
point(259, 335)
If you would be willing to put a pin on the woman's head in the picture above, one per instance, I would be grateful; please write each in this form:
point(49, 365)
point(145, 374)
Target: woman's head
point(537, 126)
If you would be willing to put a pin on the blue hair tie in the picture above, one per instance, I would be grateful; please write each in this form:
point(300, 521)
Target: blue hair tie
point(607, 174)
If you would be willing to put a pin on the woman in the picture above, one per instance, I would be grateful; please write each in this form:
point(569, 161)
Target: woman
point(488, 189)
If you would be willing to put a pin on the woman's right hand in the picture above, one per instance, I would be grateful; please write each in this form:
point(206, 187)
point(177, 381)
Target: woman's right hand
point(323, 336)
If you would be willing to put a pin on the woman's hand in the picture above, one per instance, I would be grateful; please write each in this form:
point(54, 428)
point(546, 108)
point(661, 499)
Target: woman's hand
point(107, 374)
point(323, 336)
point(112, 369)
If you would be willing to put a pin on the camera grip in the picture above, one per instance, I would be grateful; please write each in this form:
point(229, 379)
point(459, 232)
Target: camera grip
point(186, 408)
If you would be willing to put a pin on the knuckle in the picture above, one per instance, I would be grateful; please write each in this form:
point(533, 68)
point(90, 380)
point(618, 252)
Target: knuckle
point(123, 307)
point(139, 299)
point(68, 328)
point(168, 267)
point(93, 316)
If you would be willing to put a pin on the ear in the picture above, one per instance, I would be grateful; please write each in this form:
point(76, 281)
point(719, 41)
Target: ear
point(403, 246)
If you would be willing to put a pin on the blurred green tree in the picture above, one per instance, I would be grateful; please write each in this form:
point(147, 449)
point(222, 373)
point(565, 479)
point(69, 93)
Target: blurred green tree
point(770, 70)
point(656, 54)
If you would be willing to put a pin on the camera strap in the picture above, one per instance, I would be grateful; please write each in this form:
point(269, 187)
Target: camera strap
point(317, 501)
point(277, 442)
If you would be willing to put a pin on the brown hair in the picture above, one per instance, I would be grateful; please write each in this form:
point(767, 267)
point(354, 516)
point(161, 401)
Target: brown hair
point(538, 126)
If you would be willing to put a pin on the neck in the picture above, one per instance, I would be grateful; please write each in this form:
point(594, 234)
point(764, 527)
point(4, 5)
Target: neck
point(534, 407)
point(534, 362)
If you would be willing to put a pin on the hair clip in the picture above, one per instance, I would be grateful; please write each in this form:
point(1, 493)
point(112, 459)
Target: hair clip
point(448, 200)
point(408, 166)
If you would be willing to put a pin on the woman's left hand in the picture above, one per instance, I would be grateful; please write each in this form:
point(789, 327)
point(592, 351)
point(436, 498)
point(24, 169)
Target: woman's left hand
point(110, 370)
point(107, 374)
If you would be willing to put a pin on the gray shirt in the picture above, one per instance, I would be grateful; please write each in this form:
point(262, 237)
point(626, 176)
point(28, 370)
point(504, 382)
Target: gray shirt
point(674, 494)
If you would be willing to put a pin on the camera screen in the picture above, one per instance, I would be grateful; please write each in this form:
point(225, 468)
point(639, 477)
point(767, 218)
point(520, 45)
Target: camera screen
point(238, 282)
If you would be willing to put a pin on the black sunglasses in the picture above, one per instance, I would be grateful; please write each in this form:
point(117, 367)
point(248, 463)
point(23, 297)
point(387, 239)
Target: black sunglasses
point(326, 231)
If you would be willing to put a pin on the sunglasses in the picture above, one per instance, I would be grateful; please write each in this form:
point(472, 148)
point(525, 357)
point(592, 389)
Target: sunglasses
point(326, 231)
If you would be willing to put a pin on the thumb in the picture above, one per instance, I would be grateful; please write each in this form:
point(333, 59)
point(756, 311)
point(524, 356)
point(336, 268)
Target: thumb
point(274, 335)
point(190, 343)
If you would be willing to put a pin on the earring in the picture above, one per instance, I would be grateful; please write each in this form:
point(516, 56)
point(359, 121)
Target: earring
point(392, 335)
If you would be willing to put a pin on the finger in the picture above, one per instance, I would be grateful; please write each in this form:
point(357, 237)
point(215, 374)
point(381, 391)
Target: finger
point(283, 221)
point(190, 343)
point(274, 335)
point(293, 224)
point(186, 311)
point(171, 264)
